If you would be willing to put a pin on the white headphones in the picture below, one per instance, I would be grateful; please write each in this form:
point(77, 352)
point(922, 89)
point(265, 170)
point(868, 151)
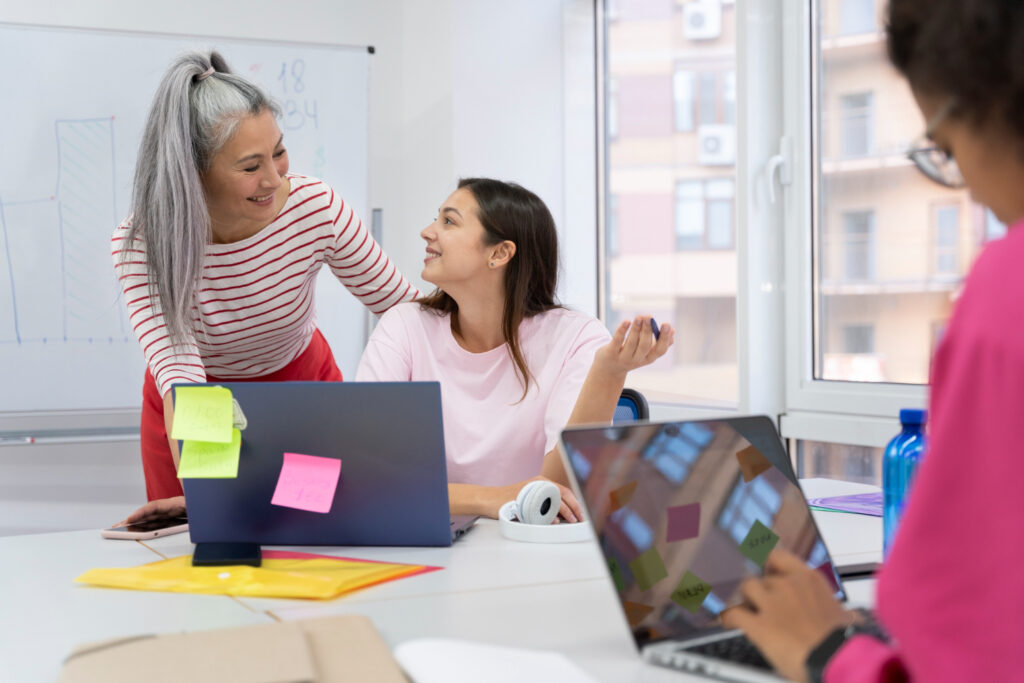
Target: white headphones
point(529, 517)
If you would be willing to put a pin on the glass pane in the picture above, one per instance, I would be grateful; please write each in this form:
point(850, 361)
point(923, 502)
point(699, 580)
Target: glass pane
point(891, 247)
point(838, 461)
point(671, 169)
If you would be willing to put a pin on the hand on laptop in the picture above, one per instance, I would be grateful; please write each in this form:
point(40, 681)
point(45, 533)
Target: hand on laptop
point(788, 612)
point(156, 509)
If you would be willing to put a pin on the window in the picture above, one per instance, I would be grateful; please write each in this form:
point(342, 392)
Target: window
point(668, 158)
point(704, 211)
point(858, 339)
point(747, 504)
point(683, 96)
point(857, 124)
point(946, 238)
point(859, 245)
point(856, 16)
point(889, 247)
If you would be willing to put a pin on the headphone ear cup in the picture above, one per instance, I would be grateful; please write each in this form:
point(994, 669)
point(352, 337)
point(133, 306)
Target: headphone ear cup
point(538, 503)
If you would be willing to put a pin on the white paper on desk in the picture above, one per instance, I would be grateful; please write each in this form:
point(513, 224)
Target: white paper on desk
point(441, 660)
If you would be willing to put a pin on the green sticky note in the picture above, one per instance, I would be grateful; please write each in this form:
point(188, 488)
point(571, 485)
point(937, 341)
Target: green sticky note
point(202, 414)
point(759, 542)
point(209, 460)
point(648, 569)
point(620, 583)
point(690, 592)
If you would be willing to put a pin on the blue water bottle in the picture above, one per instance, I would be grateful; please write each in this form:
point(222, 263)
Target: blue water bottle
point(899, 464)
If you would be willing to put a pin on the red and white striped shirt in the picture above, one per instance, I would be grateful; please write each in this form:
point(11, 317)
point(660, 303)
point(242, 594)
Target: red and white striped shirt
point(255, 310)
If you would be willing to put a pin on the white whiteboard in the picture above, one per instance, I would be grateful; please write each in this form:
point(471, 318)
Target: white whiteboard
point(74, 105)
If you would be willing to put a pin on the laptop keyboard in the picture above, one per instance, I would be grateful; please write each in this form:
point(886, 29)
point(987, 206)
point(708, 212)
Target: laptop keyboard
point(737, 650)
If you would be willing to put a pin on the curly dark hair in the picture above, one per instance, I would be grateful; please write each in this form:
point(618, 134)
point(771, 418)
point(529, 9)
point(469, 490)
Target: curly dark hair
point(970, 50)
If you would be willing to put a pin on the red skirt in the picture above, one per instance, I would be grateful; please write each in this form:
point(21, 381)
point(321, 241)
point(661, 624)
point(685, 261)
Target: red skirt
point(316, 363)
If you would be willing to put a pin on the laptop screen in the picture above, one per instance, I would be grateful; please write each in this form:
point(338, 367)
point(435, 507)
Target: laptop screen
point(685, 511)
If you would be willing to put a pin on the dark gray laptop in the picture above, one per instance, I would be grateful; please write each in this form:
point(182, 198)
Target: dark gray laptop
point(393, 489)
point(684, 512)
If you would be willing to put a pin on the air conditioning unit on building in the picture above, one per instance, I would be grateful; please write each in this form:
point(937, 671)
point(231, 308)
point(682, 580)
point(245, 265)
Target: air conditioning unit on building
point(716, 145)
point(702, 20)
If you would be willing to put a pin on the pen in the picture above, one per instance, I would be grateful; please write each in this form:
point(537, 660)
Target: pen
point(655, 330)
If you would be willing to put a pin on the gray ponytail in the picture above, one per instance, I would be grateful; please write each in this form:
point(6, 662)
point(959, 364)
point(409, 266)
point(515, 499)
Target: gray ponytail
point(192, 117)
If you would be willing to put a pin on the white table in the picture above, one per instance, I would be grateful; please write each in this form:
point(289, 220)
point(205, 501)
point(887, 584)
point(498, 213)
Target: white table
point(547, 597)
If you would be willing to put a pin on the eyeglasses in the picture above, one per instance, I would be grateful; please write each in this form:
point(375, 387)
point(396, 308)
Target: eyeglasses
point(934, 162)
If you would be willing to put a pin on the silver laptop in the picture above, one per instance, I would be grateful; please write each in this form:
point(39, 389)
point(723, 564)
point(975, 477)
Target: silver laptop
point(684, 512)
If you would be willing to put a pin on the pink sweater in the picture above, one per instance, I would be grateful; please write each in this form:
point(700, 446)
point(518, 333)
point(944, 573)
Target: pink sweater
point(491, 437)
point(952, 591)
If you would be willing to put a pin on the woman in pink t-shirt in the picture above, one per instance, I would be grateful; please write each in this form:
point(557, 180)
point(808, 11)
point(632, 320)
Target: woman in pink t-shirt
point(951, 593)
point(514, 366)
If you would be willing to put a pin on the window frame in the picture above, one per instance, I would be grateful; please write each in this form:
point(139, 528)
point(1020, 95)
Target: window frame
point(864, 414)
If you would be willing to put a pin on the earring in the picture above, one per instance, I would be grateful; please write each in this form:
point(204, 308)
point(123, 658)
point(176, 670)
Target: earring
point(491, 264)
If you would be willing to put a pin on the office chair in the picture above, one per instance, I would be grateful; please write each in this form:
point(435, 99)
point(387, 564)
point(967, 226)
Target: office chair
point(632, 406)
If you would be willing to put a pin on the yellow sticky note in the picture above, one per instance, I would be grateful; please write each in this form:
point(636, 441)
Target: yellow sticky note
point(209, 460)
point(202, 414)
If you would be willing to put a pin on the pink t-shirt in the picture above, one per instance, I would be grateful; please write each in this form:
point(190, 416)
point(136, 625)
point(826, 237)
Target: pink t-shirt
point(951, 592)
point(491, 437)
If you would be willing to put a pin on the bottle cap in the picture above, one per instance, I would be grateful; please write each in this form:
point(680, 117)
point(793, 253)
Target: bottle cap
point(913, 416)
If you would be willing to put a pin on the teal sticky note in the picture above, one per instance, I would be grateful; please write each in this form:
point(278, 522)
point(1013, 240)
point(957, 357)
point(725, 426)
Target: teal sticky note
point(620, 582)
point(648, 569)
point(758, 543)
point(691, 592)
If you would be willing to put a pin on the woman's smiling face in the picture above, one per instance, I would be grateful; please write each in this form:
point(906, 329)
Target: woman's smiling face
point(456, 250)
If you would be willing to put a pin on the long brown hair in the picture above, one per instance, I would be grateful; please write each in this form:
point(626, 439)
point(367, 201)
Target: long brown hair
point(511, 212)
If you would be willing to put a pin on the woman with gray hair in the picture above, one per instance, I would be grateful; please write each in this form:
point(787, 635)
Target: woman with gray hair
point(219, 258)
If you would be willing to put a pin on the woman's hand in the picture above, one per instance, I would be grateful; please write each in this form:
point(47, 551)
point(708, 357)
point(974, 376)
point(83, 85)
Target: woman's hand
point(787, 613)
point(162, 508)
point(633, 346)
point(570, 511)
point(469, 499)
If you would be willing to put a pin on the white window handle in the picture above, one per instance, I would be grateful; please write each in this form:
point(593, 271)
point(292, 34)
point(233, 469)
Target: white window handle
point(782, 164)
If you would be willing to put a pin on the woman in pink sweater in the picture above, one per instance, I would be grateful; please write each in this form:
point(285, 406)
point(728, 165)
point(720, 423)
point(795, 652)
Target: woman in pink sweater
point(951, 593)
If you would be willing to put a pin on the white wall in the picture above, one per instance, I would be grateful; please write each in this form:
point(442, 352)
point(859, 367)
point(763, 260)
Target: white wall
point(458, 87)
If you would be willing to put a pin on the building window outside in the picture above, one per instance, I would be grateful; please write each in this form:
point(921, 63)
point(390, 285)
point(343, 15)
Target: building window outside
point(856, 125)
point(856, 17)
point(673, 251)
point(946, 238)
point(858, 339)
point(704, 214)
point(859, 245)
point(683, 95)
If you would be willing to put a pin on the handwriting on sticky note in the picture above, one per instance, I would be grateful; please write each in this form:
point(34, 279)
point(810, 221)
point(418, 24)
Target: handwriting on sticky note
point(635, 612)
point(752, 463)
point(683, 522)
point(758, 542)
point(691, 592)
point(307, 482)
point(208, 460)
point(202, 414)
point(621, 496)
point(648, 569)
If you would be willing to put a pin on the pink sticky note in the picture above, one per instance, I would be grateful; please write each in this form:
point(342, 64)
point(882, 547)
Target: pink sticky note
point(307, 482)
point(683, 522)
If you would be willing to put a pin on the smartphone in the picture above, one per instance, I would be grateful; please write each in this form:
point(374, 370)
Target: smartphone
point(150, 529)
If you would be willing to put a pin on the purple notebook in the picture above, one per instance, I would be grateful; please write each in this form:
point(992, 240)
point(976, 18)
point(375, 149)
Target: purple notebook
point(858, 503)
